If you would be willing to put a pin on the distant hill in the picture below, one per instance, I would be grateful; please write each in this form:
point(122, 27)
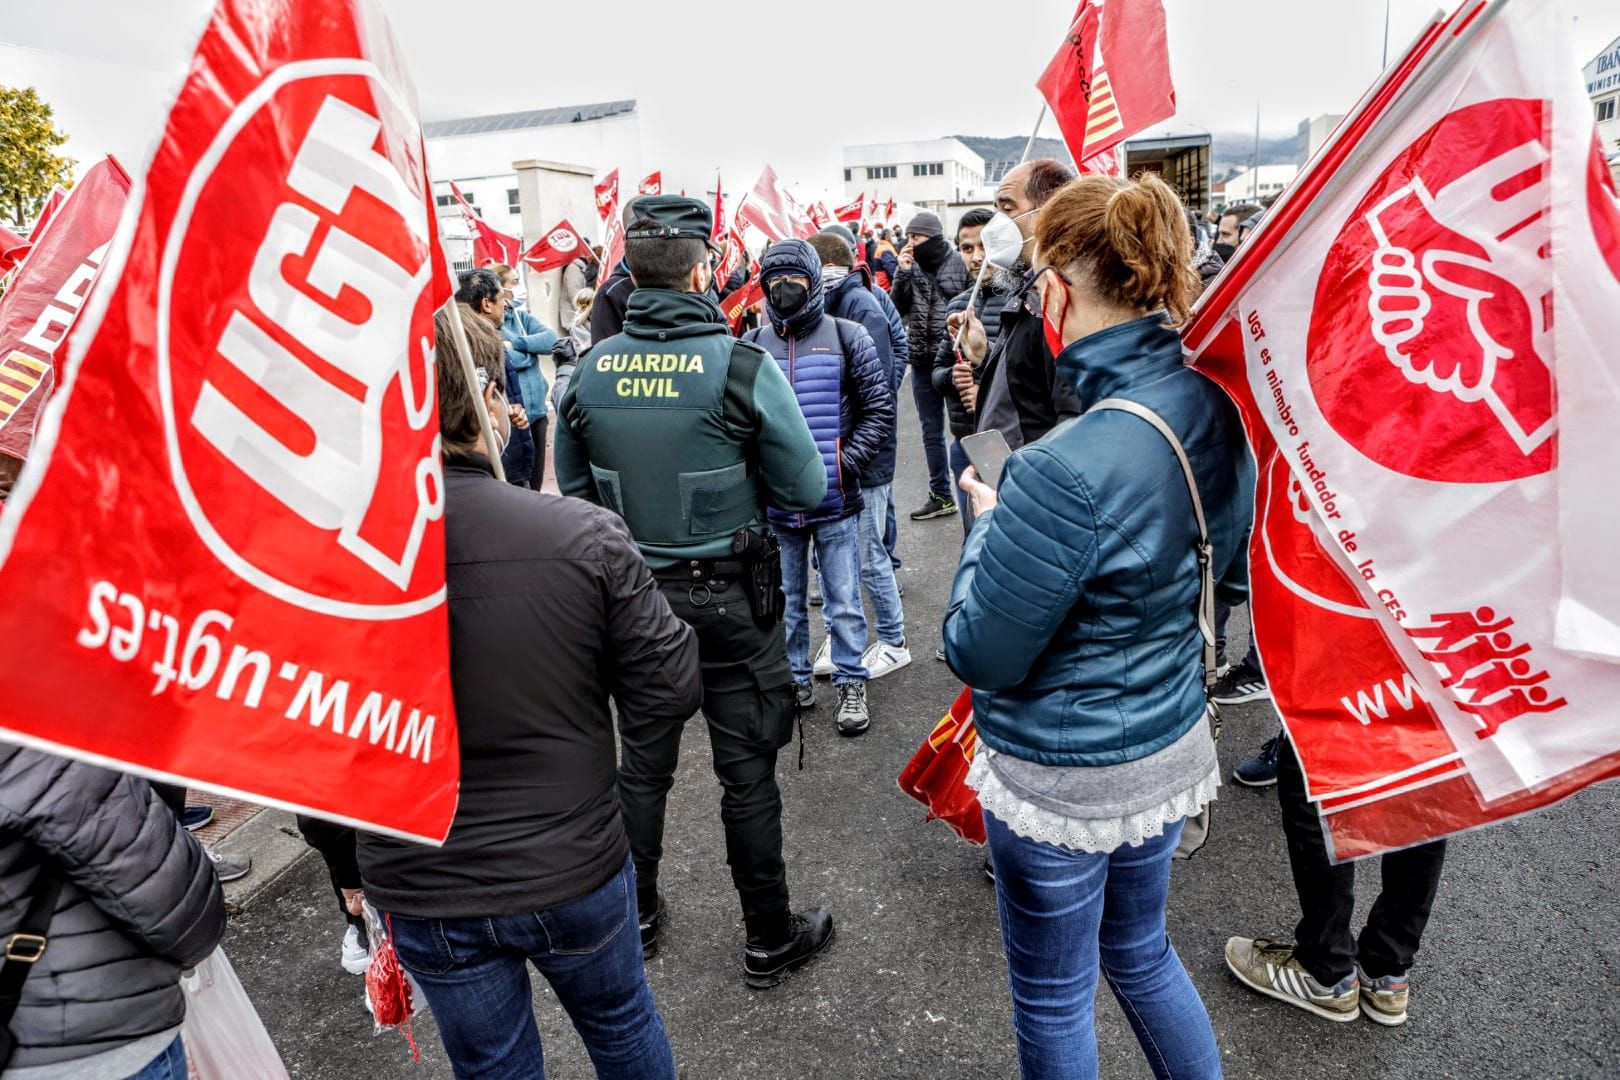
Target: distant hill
point(1232, 152)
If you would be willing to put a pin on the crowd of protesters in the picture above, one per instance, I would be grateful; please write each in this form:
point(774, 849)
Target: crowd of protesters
point(1075, 616)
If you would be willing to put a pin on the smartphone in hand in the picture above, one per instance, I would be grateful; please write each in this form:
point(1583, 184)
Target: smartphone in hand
point(987, 452)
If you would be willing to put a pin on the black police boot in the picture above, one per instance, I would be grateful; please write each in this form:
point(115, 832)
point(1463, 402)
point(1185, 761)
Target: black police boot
point(651, 923)
point(766, 963)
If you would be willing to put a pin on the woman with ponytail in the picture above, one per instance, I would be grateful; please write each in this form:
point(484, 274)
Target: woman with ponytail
point(1079, 616)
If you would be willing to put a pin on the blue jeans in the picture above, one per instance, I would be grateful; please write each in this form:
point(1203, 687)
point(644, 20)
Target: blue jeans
point(877, 572)
point(959, 464)
point(1065, 913)
point(931, 414)
point(837, 546)
point(169, 1065)
point(473, 973)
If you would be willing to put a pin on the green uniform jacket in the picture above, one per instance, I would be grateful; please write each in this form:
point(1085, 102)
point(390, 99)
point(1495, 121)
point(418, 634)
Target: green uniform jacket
point(685, 432)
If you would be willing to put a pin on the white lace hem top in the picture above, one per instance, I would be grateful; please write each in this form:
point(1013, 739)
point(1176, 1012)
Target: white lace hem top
point(1102, 808)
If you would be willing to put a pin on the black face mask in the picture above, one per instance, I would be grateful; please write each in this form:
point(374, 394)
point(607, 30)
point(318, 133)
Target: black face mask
point(931, 253)
point(788, 297)
point(1225, 251)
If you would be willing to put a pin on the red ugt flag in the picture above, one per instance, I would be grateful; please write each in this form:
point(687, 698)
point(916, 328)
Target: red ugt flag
point(226, 564)
point(737, 304)
point(489, 245)
point(607, 194)
point(47, 294)
point(850, 212)
point(719, 229)
point(770, 209)
point(559, 247)
point(1111, 76)
point(651, 184)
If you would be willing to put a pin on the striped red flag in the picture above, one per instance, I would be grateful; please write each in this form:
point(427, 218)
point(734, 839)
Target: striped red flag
point(1111, 76)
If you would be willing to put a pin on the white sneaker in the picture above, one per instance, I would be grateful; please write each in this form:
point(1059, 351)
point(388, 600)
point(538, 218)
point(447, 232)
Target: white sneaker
point(356, 960)
point(882, 659)
point(823, 667)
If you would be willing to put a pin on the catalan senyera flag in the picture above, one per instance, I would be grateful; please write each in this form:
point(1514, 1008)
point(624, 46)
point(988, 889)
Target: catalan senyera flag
point(1111, 76)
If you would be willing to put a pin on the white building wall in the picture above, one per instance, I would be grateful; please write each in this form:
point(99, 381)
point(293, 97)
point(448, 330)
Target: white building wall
point(949, 172)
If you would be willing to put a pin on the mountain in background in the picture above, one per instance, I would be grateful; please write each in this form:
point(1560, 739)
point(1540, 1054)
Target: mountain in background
point(1232, 152)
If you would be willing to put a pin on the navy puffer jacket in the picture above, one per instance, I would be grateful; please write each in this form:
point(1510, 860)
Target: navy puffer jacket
point(838, 378)
point(1074, 614)
point(856, 300)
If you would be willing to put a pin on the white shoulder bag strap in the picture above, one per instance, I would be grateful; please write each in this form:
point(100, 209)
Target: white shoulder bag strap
point(1206, 553)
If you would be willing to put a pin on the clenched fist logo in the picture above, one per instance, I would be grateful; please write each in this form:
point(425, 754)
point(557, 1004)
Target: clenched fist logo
point(1430, 344)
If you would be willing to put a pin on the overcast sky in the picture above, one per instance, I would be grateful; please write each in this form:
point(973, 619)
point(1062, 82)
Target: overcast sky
point(734, 84)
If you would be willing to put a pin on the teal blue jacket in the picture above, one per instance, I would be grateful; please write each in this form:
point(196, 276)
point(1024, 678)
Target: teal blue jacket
point(1073, 614)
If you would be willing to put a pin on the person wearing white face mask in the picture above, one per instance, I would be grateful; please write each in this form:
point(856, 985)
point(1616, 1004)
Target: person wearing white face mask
point(1019, 393)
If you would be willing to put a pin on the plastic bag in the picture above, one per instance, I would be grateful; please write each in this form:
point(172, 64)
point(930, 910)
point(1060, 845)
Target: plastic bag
point(392, 996)
point(223, 1035)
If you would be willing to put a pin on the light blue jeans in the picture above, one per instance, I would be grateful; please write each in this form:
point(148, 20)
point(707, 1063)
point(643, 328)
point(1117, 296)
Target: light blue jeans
point(877, 571)
point(169, 1065)
point(1065, 915)
point(837, 547)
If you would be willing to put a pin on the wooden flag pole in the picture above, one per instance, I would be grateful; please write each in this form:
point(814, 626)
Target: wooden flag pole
point(463, 350)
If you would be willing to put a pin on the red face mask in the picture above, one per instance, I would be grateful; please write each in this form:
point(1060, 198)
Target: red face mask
point(1054, 329)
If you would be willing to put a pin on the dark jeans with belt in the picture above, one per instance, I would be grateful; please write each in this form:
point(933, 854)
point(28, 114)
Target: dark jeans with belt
point(1327, 893)
point(748, 705)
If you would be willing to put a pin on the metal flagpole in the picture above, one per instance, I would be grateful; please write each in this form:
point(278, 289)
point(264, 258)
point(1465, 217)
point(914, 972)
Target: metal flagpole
point(1254, 170)
point(463, 349)
point(984, 267)
point(1386, 33)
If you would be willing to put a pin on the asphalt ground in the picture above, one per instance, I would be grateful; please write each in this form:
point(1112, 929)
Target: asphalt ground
point(1519, 975)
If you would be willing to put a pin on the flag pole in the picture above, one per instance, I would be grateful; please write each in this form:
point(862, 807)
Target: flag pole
point(984, 267)
point(463, 350)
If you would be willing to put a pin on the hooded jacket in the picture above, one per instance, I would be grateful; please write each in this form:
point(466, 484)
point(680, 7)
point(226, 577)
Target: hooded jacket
point(854, 299)
point(612, 301)
point(838, 379)
point(1074, 612)
point(139, 902)
point(922, 298)
point(528, 339)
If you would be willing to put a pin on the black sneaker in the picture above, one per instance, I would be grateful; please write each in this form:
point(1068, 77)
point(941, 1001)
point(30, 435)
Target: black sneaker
point(195, 817)
point(651, 924)
point(804, 695)
point(1260, 770)
point(1243, 683)
point(937, 506)
point(809, 932)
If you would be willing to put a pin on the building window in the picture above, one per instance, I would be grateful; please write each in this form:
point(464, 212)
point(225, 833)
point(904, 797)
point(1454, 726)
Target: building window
point(931, 168)
point(512, 201)
point(1605, 109)
point(881, 172)
point(448, 202)
point(849, 174)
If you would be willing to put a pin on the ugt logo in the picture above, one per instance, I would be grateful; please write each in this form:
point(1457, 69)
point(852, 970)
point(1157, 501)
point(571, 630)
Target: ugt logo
point(1431, 337)
point(295, 346)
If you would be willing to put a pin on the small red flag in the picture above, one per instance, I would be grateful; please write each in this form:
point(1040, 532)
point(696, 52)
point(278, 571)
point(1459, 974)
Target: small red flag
point(770, 209)
point(12, 249)
point(651, 184)
point(1111, 76)
point(489, 245)
point(888, 211)
point(560, 246)
point(851, 212)
point(607, 194)
point(738, 303)
point(936, 775)
point(613, 242)
point(718, 232)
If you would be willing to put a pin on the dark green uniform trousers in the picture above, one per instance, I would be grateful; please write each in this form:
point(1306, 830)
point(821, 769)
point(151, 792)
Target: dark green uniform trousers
point(748, 704)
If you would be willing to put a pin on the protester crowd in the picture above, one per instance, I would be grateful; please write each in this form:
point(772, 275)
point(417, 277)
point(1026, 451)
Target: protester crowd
point(709, 503)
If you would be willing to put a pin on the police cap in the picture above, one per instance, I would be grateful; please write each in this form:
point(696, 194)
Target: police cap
point(671, 217)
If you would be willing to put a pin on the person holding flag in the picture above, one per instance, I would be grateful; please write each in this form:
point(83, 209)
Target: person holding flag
point(689, 434)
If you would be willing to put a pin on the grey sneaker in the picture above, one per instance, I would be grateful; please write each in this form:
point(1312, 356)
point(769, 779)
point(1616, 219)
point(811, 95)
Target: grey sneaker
point(853, 719)
point(228, 866)
point(1270, 968)
point(1383, 1000)
point(804, 695)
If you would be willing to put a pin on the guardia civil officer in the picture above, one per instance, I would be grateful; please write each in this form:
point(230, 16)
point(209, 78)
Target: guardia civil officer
point(690, 434)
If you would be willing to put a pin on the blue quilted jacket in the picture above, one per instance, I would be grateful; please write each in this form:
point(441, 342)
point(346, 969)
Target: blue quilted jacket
point(1073, 615)
point(855, 299)
point(841, 384)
